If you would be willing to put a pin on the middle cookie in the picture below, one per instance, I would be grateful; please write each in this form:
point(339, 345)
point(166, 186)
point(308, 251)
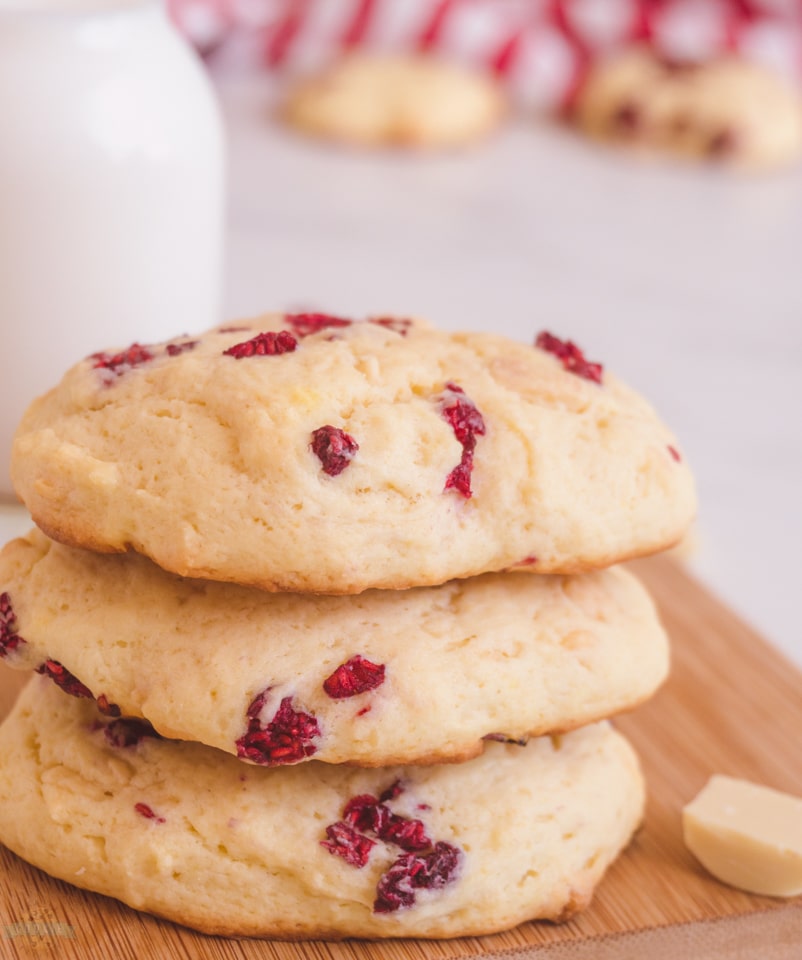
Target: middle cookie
point(385, 677)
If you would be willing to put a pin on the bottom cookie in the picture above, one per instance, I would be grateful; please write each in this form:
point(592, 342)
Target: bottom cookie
point(315, 850)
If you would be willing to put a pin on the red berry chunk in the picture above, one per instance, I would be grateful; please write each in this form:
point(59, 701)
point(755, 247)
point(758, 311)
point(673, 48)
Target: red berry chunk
point(128, 731)
point(398, 325)
point(395, 790)
point(572, 358)
point(106, 708)
point(356, 676)
point(411, 872)
point(145, 811)
point(305, 324)
point(9, 638)
point(174, 349)
point(423, 865)
point(369, 815)
point(343, 841)
point(675, 454)
point(287, 738)
point(263, 345)
point(334, 448)
point(467, 424)
point(125, 360)
point(63, 678)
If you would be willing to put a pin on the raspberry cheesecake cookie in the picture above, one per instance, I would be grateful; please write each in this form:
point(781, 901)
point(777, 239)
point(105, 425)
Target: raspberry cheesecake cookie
point(396, 101)
point(313, 851)
point(418, 676)
point(311, 453)
point(728, 111)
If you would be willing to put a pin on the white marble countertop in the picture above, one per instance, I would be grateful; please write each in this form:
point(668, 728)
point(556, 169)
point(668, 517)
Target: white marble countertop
point(686, 282)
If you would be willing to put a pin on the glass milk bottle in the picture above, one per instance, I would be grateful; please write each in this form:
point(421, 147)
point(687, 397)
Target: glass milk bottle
point(111, 189)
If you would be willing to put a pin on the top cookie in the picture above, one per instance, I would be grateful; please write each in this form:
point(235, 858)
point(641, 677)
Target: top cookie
point(728, 111)
point(310, 453)
point(396, 101)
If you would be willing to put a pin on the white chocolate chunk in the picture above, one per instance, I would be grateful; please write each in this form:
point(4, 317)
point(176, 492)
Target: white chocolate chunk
point(747, 835)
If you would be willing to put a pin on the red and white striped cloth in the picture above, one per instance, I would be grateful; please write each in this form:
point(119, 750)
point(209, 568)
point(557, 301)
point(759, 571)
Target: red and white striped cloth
point(540, 48)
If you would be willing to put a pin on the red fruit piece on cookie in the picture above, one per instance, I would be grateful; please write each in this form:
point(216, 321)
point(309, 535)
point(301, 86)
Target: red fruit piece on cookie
point(305, 324)
point(344, 841)
point(334, 448)
point(268, 344)
point(287, 738)
point(571, 357)
point(10, 640)
point(62, 677)
point(122, 362)
point(468, 424)
point(353, 677)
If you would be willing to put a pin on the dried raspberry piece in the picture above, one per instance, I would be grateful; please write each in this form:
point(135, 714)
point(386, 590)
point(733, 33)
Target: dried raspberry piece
point(359, 813)
point(675, 454)
point(287, 738)
point(394, 791)
point(257, 704)
point(122, 362)
point(410, 872)
point(343, 841)
point(369, 815)
point(405, 833)
point(527, 561)
point(356, 676)
point(467, 423)
point(398, 325)
point(305, 324)
point(106, 708)
point(572, 358)
point(460, 477)
point(394, 890)
point(62, 677)
point(145, 811)
point(128, 731)
point(175, 349)
point(9, 638)
point(268, 344)
point(334, 448)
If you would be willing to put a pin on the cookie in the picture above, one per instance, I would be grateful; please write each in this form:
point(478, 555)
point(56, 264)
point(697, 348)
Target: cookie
point(310, 453)
point(395, 101)
point(728, 110)
point(386, 677)
point(191, 834)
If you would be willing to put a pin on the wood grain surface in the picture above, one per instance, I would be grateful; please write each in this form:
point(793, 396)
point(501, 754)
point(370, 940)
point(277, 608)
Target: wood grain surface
point(733, 705)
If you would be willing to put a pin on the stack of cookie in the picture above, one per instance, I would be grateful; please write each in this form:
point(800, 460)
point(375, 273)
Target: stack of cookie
point(292, 573)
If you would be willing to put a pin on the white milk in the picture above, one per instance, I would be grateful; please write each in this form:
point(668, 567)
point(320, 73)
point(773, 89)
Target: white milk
point(111, 189)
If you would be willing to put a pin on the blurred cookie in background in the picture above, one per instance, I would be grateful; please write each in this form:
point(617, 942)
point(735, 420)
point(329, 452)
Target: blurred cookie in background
point(726, 111)
point(407, 101)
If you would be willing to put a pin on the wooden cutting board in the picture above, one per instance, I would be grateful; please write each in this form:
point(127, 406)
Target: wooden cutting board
point(733, 705)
